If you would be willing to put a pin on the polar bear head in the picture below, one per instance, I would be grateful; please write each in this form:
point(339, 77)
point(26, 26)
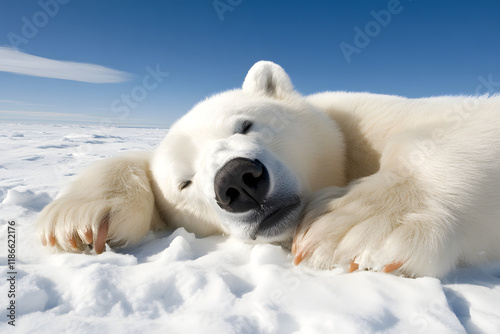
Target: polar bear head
point(245, 161)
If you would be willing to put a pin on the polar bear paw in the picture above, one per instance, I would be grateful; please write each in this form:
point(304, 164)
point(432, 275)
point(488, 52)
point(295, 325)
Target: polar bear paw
point(110, 202)
point(376, 226)
point(71, 224)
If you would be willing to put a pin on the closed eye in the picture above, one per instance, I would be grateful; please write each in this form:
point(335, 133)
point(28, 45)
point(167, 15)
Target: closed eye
point(246, 126)
point(185, 184)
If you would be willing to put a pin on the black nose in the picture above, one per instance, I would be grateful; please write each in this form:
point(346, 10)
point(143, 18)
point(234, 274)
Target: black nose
point(241, 185)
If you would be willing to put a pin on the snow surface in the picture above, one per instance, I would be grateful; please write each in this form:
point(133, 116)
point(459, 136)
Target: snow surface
point(177, 283)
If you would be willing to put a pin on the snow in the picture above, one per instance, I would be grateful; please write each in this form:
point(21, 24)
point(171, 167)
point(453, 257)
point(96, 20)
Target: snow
point(175, 282)
point(27, 199)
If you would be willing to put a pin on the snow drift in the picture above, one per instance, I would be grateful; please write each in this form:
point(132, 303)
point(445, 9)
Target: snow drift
point(174, 282)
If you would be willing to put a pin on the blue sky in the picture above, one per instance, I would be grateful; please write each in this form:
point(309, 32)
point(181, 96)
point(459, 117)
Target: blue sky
point(107, 50)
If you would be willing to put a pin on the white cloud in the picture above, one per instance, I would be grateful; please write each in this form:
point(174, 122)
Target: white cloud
point(42, 114)
point(18, 62)
point(25, 103)
point(10, 115)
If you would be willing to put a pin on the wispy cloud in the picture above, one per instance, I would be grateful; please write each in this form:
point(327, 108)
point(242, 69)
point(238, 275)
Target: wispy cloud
point(42, 114)
point(25, 103)
point(58, 117)
point(18, 62)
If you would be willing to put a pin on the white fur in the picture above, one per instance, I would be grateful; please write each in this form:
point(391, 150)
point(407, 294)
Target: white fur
point(426, 193)
point(386, 179)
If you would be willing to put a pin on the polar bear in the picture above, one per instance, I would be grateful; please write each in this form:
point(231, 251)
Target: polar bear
point(377, 182)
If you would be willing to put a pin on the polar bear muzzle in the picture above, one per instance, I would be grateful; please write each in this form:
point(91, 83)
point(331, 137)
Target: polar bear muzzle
point(252, 197)
point(241, 185)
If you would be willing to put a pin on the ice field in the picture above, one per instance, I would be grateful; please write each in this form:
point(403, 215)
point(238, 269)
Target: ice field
point(174, 282)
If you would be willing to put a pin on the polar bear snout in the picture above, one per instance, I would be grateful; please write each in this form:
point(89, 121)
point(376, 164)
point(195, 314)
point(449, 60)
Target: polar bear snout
point(241, 185)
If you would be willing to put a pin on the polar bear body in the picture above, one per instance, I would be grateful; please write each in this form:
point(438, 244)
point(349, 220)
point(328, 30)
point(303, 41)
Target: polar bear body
point(424, 177)
point(373, 180)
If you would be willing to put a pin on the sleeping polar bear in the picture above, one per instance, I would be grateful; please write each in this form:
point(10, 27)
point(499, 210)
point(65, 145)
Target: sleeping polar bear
point(385, 183)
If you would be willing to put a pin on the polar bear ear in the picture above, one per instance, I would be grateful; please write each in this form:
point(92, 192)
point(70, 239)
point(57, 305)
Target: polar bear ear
point(268, 78)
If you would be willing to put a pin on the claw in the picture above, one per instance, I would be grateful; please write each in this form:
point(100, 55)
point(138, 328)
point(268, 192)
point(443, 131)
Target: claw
point(353, 266)
point(102, 235)
point(299, 257)
point(44, 241)
point(52, 240)
point(295, 241)
point(88, 236)
point(391, 267)
point(72, 242)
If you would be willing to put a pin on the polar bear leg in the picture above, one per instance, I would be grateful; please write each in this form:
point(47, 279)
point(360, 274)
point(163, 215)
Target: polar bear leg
point(391, 220)
point(111, 201)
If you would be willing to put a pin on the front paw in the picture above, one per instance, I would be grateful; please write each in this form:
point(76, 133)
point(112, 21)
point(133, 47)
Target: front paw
point(72, 224)
point(345, 239)
point(374, 227)
point(322, 229)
